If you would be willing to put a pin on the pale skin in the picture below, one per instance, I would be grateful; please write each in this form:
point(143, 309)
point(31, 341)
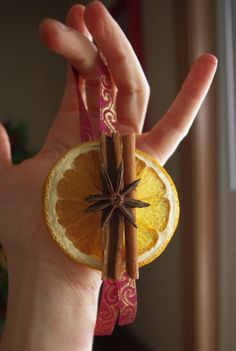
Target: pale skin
point(52, 300)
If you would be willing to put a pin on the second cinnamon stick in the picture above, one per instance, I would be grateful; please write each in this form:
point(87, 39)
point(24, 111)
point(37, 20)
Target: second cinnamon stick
point(111, 155)
point(131, 242)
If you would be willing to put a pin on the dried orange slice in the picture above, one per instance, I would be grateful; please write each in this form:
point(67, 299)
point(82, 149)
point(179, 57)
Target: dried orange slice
point(76, 176)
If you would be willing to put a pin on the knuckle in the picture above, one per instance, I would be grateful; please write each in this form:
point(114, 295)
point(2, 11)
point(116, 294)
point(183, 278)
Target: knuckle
point(140, 88)
point(174, 125)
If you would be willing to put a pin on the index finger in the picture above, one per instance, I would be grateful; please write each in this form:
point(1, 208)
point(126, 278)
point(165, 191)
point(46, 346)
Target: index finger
point(166, 135)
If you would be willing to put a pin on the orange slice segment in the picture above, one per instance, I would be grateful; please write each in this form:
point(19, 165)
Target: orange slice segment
point(76, 176)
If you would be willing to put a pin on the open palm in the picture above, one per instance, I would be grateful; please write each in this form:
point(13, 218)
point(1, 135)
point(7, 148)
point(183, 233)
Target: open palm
point(22, 231)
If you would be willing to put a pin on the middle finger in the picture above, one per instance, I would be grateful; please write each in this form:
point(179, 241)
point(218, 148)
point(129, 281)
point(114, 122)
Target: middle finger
point(133, 89)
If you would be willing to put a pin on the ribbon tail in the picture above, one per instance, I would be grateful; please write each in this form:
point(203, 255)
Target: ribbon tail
point(118, 300)
point(127, 294)
point(108, 308)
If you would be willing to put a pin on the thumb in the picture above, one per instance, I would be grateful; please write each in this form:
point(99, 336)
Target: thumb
point(5, 148)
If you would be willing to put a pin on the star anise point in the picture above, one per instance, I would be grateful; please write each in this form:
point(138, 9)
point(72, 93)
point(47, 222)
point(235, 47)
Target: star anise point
point(117, 198)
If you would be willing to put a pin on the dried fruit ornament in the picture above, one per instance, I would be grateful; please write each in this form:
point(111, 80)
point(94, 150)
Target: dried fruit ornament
point(133, 213)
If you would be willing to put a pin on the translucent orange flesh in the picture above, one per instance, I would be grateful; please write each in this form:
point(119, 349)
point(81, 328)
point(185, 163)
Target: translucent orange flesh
point(83, 229)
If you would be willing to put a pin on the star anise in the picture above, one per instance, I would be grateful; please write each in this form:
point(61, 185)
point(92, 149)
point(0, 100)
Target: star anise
point(115, 198)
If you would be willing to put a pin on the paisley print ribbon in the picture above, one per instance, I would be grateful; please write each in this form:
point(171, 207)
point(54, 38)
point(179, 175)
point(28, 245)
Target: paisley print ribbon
point(118, 303)
point(119, 297)
point(108, 121)
point(127, 300)
point(108, 308)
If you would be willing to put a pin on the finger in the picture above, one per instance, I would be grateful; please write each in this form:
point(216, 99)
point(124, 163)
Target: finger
point(72, 45)
point(75, 20)
point(5, 148)
point(174, 126)
point(79, 49)
point(65, 129)
point(133, 89)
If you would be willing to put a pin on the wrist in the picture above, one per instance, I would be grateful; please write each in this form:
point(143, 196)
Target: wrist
point(50, 311)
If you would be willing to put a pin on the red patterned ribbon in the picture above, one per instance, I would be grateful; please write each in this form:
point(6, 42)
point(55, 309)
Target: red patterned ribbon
point(108, 308)
point(127, 300)
point(108, 121)
point(119, 297)
point(118, 301)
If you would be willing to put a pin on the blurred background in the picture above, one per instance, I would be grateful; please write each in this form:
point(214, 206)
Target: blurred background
point(187, 296)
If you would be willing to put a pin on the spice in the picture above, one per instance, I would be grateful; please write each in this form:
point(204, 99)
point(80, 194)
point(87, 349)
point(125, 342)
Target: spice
point(131, 242)
point(116, 205)
point(118, 198)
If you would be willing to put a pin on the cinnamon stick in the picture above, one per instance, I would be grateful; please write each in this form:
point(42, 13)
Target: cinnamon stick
point(111, 158)
point(131, 242)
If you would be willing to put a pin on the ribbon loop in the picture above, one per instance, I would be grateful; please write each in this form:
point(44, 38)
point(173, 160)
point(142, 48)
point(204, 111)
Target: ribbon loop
point(119, 297)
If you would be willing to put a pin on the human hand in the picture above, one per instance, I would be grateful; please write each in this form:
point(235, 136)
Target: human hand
point(30, 250)
point(131, 87)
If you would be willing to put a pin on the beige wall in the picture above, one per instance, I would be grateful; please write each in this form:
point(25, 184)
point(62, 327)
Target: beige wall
point(31, 77)
point(159, 321)
point(227, 203)
point(227, 243)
